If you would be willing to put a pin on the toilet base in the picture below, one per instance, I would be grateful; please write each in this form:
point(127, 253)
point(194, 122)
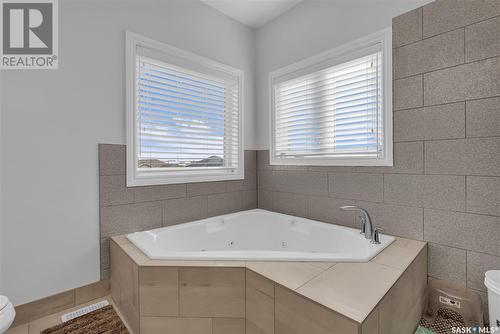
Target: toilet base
point(7, 317)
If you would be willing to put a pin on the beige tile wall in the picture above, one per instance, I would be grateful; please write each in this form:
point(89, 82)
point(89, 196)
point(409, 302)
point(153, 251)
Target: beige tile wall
point(445, 185)
point(125, 210)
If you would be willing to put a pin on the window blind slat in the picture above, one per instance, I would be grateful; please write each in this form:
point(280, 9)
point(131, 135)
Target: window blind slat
point(184, 119)
point(329, 89)
point(333, 100)
point(333, 110)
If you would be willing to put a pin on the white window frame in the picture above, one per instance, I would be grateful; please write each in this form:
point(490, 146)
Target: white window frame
point(136, 177)
point(340, 55)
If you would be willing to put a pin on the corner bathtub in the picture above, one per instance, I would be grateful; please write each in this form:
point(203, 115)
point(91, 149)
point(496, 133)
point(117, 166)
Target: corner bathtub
point(257, 235)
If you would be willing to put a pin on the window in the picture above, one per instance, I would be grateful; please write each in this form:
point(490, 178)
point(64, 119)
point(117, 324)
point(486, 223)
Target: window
point(335, 108)
point(184, 121)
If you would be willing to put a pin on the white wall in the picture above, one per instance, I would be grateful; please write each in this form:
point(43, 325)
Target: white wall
point(310, 28)
point(51, 122)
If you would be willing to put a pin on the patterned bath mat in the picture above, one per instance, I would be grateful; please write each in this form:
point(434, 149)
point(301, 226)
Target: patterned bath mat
point(445, 320)
point(101, 321)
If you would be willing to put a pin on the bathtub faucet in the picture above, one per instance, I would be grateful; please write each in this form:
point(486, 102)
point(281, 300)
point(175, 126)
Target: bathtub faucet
point(366, 222)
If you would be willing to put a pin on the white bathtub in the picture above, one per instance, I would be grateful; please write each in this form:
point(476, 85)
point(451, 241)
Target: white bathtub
point(257, 235)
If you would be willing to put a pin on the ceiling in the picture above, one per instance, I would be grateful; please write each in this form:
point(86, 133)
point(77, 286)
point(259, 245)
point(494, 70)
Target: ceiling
point(252, 13)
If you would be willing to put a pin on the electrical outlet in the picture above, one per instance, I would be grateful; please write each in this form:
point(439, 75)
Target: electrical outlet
point(450, 302)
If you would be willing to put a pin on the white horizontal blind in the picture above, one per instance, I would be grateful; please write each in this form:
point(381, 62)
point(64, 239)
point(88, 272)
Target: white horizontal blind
point(184, 119)
point(336, 111)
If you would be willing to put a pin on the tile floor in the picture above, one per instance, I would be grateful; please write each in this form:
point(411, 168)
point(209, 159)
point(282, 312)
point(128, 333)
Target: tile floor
point(39, 325)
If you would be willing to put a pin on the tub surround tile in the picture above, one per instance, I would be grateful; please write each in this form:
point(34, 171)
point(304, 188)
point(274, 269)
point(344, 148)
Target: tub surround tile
point(220, 204)
point(407, 28)
point(54, 319)
point(155, 325)
point(112, 159)
point(266, 294)
point(120, 239)
point(263, 160)
point(249, 199)
point(483, 195)
point(358, 186)
point(343, 288)
point(35, 310)
point(205, 188)
point(92, 291)
point(483, 117)
point(297, 315)
point(399, 220)
point(228, 326)
point(430, 123)
point(248, 183)
point(180, 263)
point(21, 329)
point(182, 210)
point(481, 40)
point(291, 204)
point(473, 156)
point(400, 254)
point(327, 209)
point(130, 209)
point(125, 284)
point(464, 82)
point(477, 265)
point(430, 54)
point(130, 218)
point(408, 159)
point(408, 93)
point(310, 183)
point(104, 254)
point(462, 230)
point(429, 191)
point(156, 193)
point(447, 263)
point(259, 283)
point(291, 168)
point(289, 274)
point(159, 291)
point(444, 15)
point(405, 300)
point(135, 254)
point(212, 292)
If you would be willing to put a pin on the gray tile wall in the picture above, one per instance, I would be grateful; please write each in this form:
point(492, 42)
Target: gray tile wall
point(125, 210)
point(445, 185)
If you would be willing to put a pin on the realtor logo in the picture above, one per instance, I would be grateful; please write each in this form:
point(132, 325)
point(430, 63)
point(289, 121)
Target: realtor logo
point(29, 34)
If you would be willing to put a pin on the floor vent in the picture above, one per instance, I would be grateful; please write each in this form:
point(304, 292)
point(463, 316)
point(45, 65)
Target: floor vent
point(83, 311)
